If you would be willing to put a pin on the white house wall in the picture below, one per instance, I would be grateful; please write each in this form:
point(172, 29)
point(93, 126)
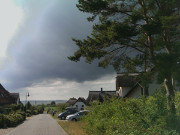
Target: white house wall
point(125, 90)
point(137, 94)
point(79, 105)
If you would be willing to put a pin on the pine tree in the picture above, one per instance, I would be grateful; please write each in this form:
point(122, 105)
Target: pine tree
point(134, 35)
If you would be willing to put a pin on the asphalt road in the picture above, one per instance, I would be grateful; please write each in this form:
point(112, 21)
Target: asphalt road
point(42, 124)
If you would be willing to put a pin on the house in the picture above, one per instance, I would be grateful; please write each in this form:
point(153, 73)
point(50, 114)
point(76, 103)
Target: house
point(80, 103)
point(71, 101)
point(99, 96)
point(128, 85)
point(7, 98)
point(15, 97)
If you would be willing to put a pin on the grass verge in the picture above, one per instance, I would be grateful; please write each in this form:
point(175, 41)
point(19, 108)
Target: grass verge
point(73, 128)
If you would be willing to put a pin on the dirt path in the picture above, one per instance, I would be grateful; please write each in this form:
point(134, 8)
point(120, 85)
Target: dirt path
point(42, 124)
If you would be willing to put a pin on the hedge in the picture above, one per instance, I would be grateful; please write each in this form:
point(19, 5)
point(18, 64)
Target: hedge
point(134, 117)
point(11, 120)
point(12, 115)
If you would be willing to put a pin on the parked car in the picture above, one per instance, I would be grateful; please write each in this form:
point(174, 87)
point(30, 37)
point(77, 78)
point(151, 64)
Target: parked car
point(71, 108)
point(77, 116)
point(63, 115)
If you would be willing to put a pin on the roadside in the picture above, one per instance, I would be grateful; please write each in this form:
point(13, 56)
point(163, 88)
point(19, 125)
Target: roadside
point(72, 128)
point(5, 131)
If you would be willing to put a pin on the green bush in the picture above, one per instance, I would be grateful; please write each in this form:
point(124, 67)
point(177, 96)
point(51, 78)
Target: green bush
point(14, 119)
point(177, 103)
point(61, 107)
point(1, 120)
point(28, 113)
point(13, 108)
point(14, 114)
point(40, 109)
point(11, 120)
point(34, 110)
point(132, 117)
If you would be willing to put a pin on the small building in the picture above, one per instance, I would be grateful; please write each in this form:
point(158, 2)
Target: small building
point(7, 98)
point(99, 96)
point(80, 104)
point(15, 97)
point(71, 101)
point(128, 85)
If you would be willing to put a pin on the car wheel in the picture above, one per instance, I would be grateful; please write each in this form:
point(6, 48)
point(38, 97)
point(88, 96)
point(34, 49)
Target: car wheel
point(74, 119)
point(63, 118)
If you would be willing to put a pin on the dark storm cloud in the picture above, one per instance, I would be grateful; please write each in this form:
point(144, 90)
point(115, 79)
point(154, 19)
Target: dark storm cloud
point(39, 51)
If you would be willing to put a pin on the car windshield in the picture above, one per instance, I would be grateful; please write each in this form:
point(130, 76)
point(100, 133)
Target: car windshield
point(81, 113)
point(76, 113)
point(68, 112)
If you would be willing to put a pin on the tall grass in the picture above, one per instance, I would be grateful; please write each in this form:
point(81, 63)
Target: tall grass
point(73, 128)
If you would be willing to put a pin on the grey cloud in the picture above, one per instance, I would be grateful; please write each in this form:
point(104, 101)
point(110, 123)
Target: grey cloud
point(39, 51)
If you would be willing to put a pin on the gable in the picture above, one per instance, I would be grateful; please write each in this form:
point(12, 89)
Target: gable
point(5, 97)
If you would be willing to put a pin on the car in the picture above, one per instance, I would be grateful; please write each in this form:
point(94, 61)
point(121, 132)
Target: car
point(71, 108)
point(63, 115)
point(77, 116)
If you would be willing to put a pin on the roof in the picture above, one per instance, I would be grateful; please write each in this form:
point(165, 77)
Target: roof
point(133, 89)
point(81, 99)
point(15, 96)
point(71, 101)
point(99, 95)
point(126, 80)
point(5, 97)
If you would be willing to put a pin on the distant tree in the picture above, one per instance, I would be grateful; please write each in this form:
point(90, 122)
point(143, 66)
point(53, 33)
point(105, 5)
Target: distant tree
point(134, 35)
point(53, 103)
point(28, 105)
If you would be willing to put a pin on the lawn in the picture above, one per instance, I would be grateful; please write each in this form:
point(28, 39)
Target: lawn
point(73, 128)
point(51, 108)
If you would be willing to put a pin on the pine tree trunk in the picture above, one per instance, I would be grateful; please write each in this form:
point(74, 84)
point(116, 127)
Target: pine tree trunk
point(170, 95)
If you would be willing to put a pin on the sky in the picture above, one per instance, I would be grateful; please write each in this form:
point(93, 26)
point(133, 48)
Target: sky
point(35, 41)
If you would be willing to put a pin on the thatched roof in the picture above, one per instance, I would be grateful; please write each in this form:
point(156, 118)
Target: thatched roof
point(81, 99)
point(71, 101)
point(129, 80)
point(99, 96)
point(5, 97)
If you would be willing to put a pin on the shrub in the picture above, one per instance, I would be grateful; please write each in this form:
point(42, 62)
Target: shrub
point(12, 114)
point(61, 106)
point(133, 117)
point(14, 119)
point(40, 109)
point(1, 120)
point(177, 103)
point(11, 120)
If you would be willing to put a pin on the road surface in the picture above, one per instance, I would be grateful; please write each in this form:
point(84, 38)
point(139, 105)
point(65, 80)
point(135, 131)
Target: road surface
point(42, 124)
